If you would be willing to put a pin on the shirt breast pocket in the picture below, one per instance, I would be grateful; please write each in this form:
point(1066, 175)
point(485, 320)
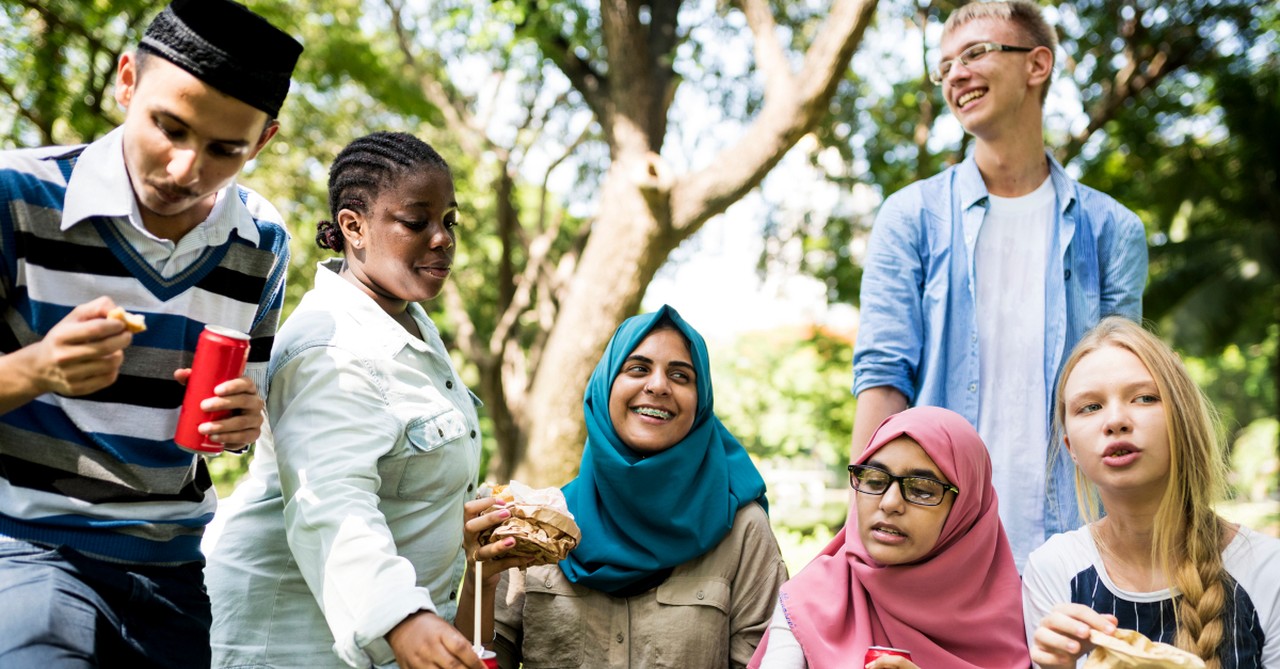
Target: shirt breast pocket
point(554, 623)
point(690, 603)
point(436, 459)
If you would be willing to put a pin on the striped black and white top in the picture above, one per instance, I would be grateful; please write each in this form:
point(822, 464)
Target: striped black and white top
point(1068, 568)
point(100, 473)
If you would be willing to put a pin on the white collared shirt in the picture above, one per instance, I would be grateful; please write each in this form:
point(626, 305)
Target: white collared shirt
point(351, 516)
point(100, 187)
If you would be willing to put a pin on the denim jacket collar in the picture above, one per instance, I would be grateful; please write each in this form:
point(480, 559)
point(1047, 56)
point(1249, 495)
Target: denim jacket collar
point(972, 190)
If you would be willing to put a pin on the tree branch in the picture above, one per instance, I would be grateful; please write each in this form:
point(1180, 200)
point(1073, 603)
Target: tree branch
point(459, 121)
point(593, 86)
point(782, 121)
point(1144, 68)
point(771, 58)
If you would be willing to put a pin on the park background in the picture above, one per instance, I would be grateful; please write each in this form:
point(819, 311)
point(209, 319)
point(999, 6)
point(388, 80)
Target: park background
point(728, 157)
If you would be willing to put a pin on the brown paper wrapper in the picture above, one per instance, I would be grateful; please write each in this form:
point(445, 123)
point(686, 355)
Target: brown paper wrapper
point(1131, 650)
point(544, 534)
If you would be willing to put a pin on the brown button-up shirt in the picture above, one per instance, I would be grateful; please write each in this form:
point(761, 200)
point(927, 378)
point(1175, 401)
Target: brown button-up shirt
point(709, 613)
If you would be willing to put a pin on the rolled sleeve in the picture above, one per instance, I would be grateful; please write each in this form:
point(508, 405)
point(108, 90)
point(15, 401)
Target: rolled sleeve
point(755, 586)
point(891, 322)
point(1124, 273)
point(328, 463)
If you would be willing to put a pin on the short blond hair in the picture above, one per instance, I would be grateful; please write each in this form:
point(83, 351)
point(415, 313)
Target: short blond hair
point(1023, 14)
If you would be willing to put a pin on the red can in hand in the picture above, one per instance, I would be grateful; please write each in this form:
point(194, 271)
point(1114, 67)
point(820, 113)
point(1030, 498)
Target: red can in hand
point(221, 354)
point(884, 651)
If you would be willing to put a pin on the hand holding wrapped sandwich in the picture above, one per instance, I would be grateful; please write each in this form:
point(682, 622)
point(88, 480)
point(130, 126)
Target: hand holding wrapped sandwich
point(540, 524)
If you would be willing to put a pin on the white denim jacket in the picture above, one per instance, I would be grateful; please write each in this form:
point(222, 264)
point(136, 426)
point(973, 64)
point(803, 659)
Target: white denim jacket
point(351, 516)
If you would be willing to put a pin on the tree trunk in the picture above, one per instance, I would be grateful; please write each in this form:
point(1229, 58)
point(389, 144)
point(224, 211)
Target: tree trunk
point(642, 215)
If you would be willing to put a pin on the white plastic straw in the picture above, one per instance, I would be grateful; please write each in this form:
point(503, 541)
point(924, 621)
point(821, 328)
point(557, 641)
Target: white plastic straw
point(479, 588)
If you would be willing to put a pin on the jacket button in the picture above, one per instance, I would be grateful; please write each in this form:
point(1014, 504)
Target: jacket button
point(440, 430)
point(700, 595)
point(473, 434)
point(547, 584)
point(449, 384)
point(470, 487)
point(620, 638)
point(453, 595)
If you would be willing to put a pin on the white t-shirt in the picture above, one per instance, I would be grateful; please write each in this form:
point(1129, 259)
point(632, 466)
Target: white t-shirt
point(783, 651)
point(1010, 260)
point(1068, 568)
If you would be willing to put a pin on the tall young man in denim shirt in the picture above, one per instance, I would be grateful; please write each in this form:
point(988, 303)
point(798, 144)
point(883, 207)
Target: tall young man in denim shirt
point(978, 281)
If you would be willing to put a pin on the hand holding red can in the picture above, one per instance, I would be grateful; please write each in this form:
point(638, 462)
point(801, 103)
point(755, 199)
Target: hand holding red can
point(221, 355)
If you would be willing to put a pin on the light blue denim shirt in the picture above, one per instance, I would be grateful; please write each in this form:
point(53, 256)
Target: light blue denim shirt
point(351, 516)
point(918, 330)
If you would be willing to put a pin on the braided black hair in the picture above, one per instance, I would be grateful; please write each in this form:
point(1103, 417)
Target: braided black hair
point(363, 168)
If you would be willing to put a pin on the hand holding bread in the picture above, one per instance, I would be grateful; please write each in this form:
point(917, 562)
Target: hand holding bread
point(540, 523)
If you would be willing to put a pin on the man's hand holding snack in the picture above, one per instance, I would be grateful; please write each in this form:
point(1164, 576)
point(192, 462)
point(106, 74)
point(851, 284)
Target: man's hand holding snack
point(81, 354)
point(239, 396)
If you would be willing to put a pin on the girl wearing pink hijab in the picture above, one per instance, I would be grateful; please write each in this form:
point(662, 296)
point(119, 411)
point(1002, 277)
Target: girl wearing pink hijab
point(922, 564)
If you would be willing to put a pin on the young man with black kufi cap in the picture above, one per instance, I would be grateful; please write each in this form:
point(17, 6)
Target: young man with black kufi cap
point(101, 513)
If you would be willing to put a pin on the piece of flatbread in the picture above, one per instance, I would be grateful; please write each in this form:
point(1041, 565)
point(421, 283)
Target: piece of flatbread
point(1129, 649)
point(134, 323)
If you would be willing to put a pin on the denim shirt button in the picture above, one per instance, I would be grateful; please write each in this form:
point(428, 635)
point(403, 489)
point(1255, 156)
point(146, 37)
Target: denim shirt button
point(973, 387)
point(1066, 276)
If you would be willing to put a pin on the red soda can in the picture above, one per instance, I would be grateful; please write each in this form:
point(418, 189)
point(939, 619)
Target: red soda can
point(884, 651)
point(490, 659)
point(221, 354)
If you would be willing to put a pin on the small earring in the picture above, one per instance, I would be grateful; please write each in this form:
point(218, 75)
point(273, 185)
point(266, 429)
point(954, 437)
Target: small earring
point(356, 243)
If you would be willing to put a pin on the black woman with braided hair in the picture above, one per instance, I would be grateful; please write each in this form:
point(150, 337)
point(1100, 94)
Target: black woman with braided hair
point(345, 544)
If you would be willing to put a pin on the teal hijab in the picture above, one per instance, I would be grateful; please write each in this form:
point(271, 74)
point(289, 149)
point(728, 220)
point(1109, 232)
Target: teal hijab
point(642, 516)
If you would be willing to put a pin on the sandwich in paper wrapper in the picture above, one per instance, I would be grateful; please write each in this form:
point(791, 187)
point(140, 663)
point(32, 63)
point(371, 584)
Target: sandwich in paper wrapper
point(1131, 650)
point(540, 522)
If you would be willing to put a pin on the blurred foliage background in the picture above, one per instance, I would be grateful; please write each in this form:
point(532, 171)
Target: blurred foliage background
point(588, 145)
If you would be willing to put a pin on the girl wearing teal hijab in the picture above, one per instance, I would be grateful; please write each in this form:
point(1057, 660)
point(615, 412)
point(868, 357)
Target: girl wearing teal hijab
point(677, 564)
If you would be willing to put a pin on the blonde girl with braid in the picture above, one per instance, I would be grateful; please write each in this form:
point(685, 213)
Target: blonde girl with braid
point(1155, 557)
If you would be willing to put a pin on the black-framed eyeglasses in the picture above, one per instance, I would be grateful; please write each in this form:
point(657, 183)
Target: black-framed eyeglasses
point(971, 55)
point(919, 490)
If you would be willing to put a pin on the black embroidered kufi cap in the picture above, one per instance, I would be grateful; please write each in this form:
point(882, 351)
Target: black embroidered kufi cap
point(228, 47)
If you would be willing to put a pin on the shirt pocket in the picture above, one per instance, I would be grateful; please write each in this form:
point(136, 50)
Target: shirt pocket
point(435, 458)
point(694, 623)
point(554, 623)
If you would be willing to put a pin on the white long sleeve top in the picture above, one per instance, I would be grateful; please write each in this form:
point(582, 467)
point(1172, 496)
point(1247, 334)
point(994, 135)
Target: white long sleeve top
point(351, 516)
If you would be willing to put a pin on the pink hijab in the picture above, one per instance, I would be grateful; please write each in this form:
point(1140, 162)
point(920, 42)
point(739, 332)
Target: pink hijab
point(959, 607)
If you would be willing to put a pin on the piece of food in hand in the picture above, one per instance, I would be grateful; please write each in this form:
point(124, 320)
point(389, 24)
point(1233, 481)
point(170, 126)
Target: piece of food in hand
point(132, 322)
point(1129, 649)
point(540, 522)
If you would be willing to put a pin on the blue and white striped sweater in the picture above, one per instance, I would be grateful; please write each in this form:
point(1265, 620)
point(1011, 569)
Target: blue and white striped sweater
point(100, 473)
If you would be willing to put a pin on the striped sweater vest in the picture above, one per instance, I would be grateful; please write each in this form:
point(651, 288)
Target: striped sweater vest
point(100, 473)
